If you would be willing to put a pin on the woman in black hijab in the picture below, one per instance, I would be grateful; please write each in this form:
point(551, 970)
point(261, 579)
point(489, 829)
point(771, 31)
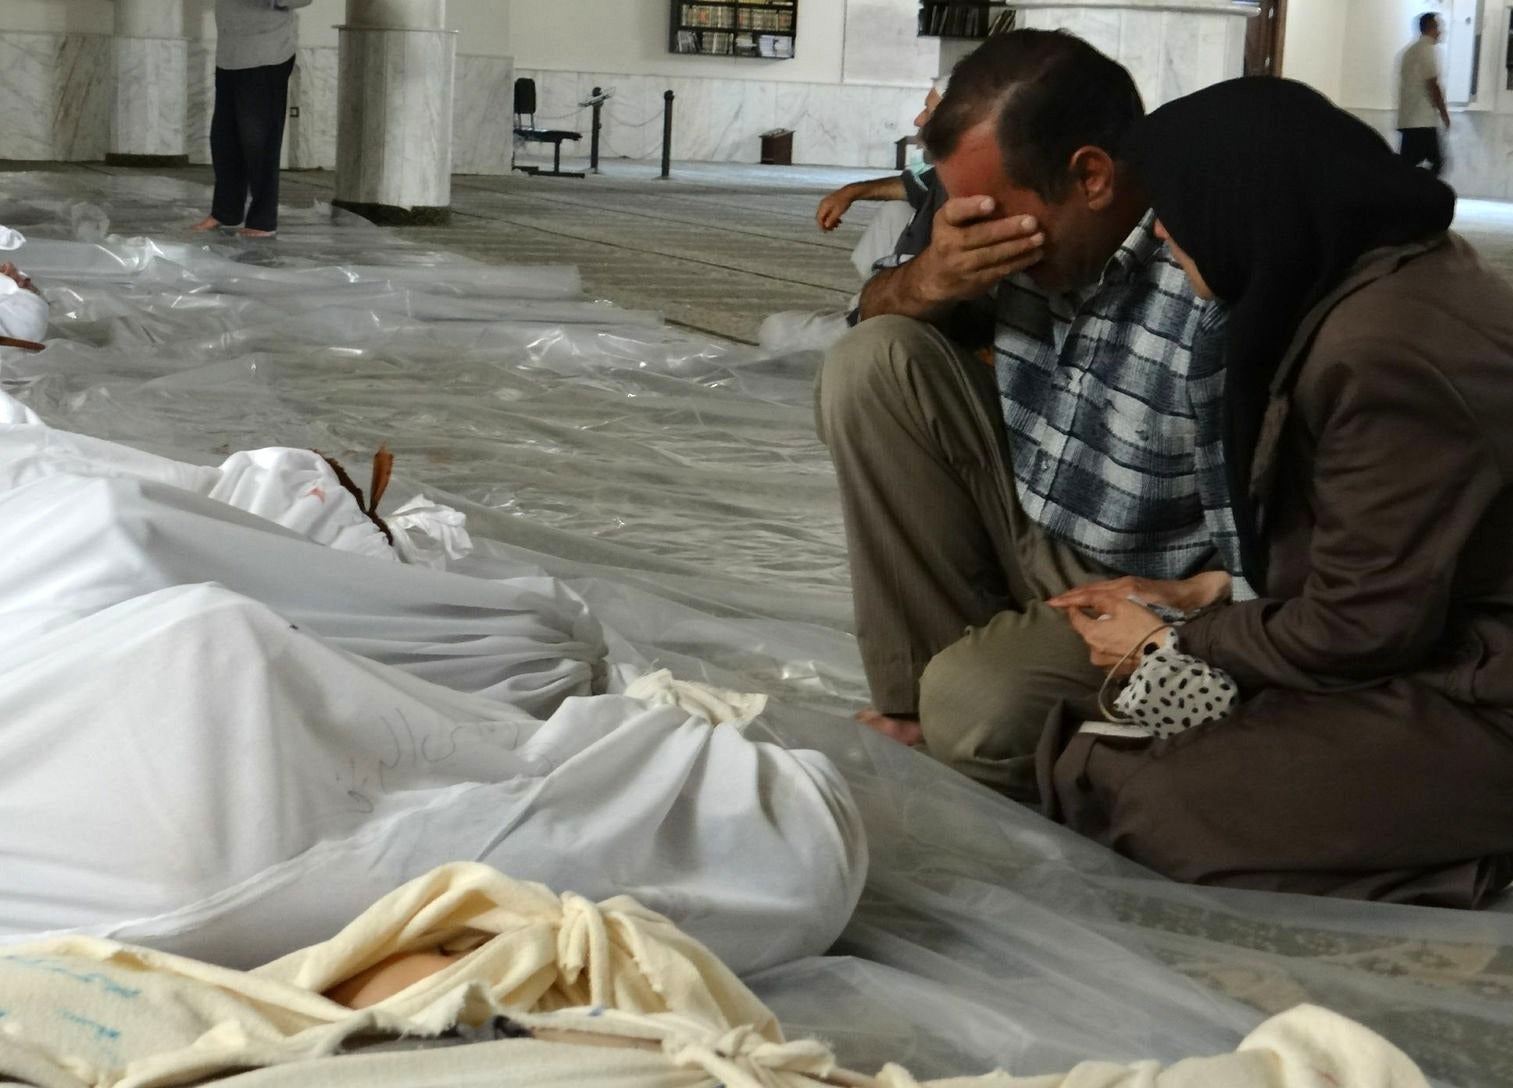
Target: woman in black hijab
point(1368, 436)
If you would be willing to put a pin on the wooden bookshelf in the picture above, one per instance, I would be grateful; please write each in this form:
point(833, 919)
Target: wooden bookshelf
point(972, 20)
point(755, 29)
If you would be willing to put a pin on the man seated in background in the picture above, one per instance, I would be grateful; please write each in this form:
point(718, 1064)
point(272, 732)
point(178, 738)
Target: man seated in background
point(969, 502)
point(897, 232)
point(913, 188)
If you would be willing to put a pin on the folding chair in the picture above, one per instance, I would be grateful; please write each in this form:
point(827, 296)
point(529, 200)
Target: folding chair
point(525, 129)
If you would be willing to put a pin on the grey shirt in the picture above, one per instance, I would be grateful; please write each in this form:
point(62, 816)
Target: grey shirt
point(255, 33)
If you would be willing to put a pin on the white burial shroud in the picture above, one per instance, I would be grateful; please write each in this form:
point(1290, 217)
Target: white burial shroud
point(88, 524)
point(232, 773)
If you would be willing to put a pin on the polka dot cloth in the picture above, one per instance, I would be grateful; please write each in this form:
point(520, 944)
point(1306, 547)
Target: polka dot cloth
point(1170, 692)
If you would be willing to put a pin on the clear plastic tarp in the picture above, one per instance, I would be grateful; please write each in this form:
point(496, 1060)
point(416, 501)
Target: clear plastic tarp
point(676, 483)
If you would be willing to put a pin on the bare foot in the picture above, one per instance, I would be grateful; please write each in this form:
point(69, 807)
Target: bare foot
point(903, 730)
point(210, 222)
point(249, 232)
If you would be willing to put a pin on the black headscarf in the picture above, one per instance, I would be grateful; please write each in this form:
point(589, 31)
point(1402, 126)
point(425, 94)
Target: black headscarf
point(1276, 194)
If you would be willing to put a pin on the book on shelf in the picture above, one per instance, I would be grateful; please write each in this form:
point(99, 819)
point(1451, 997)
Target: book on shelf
point(750, 19)
point(952, 20)
point(740, 28)
point(708, 15)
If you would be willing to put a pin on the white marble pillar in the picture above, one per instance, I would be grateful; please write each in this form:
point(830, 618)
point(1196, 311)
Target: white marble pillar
point(394, 111)
point(1171, 47)
point(151, 84)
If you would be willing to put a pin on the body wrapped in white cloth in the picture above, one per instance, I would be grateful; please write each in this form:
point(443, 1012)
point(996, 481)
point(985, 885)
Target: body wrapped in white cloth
point(87, 524)
point(189, 771)
point(593, 996)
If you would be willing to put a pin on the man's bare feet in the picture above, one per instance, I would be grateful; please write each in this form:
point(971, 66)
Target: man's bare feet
point(210, 222)
point(250, 232)
point(903, 730)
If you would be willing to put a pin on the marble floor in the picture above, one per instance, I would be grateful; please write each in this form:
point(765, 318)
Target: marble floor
point(716, 248)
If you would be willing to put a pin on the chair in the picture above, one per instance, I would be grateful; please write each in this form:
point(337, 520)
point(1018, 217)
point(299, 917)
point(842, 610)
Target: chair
point(525, 129)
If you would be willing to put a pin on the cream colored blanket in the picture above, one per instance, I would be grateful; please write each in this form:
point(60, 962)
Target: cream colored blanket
point(614, 995)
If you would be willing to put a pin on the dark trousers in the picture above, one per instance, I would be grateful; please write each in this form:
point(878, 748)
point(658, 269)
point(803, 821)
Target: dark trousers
point(1395, 793)
point(246, 138)
point(1421, 145)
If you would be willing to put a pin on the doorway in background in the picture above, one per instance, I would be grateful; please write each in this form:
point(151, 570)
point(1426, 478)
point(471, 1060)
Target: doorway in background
point(1263, 39)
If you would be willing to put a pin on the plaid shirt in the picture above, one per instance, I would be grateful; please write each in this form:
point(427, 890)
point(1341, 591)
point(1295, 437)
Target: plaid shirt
point(1111, 398)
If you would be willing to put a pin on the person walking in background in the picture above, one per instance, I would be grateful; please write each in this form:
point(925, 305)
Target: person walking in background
point(1421, 97)
point(254, 56)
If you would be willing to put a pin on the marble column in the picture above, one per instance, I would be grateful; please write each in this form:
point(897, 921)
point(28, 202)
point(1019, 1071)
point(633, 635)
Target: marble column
point(1171, 47)
point(151, 84)
point(394, 111)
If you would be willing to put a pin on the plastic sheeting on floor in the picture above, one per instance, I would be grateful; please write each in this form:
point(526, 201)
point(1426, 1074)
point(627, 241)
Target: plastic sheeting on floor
point(676, 484)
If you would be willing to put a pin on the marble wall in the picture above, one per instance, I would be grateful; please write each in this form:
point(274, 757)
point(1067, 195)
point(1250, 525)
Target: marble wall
point(883, 44)
point(151, 84)
point(1478, 150)
point(311, 140)
point(201, 100)
point(483, 117)
point(721, 120)
point(65, 84)
point(59, 88)
point(1170, 53)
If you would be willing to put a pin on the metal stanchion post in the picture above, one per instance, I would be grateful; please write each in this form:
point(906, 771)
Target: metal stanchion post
point(667, 135)
point(593, 148)
point(596, 102)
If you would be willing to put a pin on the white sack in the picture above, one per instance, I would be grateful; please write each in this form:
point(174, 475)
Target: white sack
point(77, 544)
point(188, 771)
point(294, 488)
point(23, 313)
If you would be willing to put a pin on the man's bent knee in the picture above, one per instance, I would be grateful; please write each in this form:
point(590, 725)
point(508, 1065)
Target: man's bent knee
point(975, 704)
point(985, 700)
point(869, 365)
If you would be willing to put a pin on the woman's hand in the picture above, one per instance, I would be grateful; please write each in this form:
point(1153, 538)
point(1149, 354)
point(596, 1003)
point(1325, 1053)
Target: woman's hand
point(1188, 595)
point(1115, 631)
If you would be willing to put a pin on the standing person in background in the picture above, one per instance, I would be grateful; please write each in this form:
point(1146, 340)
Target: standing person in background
point(1421, 97)
point(254, 55)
